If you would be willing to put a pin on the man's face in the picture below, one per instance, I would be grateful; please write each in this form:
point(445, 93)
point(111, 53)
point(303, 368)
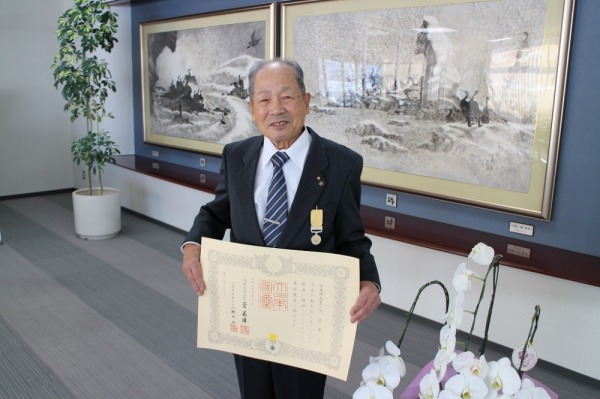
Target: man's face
point(278, 106)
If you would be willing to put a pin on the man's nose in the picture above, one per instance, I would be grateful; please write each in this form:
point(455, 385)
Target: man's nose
point(276, 106)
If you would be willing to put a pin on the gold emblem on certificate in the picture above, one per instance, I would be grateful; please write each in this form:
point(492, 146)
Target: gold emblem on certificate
point(272, 344)
point(316, 225)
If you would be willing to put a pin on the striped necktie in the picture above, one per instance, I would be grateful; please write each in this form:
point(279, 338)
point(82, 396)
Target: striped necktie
point(277, 208)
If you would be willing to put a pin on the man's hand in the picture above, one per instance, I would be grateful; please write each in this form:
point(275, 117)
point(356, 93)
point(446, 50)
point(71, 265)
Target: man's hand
point(192, 269)
point(367, 301)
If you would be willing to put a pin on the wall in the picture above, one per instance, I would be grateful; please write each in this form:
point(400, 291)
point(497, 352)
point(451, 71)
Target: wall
point(35, 132)
point(571, 226)
point(567, 333)
point(404, 268)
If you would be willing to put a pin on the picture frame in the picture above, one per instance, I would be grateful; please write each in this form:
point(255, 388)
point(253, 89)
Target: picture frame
point(195, 76)
point(443, 98)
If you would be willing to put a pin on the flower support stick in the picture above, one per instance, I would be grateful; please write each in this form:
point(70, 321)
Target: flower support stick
point(530, 335)
point(494, 268)
point(412, 308)
point(495, 273)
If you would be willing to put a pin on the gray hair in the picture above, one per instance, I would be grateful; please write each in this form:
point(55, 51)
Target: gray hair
point(264, 63)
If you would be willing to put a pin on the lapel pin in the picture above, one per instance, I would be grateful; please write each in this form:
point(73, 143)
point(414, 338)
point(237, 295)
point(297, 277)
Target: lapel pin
point(320, 182)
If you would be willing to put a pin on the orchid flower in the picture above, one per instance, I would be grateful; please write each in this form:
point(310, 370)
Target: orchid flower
point(395, 358)
point(482, 254)
point(446, 352)
point(382, 372)
point(467, 363)
point(462, 281)
point(455, 313)
point(440, 363)
point(530, 391)
point(448, 395)
point(502, 376)
point(382, 375)
point(386, 370)
point(429, 387)
point(448, 339)
point(466, 386)
point(371, 390)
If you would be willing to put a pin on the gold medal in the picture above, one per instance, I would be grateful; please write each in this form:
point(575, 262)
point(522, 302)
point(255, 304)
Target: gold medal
point(316, 225)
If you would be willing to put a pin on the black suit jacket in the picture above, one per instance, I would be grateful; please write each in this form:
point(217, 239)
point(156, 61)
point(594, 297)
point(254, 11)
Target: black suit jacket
point(330, 181)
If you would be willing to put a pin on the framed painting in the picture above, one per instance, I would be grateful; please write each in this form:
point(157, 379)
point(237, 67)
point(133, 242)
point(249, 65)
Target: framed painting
point(195, 76)
point(453, 99)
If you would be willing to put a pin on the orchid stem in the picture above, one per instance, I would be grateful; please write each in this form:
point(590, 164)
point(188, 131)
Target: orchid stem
point(410, 313)
point(494, 267)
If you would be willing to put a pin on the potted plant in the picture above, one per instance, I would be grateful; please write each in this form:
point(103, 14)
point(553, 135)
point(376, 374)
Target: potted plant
point(86, 27)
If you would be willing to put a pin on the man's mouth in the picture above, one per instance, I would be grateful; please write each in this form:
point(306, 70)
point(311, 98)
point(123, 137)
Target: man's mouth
point(279, 124)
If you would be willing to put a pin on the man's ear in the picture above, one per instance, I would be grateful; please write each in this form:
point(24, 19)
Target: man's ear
point(307, 102)
point(250, 109)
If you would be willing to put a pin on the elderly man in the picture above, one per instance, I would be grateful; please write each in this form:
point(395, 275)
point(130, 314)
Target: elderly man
point(268, 187)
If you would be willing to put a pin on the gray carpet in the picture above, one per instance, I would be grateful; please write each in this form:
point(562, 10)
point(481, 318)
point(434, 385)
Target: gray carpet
point(117, 319)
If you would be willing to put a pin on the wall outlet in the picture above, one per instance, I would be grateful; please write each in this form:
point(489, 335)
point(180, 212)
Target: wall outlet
point(390, 223)
point(155, 165)
point(202, 178)
point(391, 200)
point(521, 228)
point(155, 154)
point(518, 250)
point(202, 162)
point(83, 175)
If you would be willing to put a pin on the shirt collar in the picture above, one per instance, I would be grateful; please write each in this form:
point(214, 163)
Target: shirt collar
point(297, 152)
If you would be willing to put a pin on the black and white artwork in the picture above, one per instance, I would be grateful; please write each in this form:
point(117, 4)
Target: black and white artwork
point(197, 83)
point(448, 91)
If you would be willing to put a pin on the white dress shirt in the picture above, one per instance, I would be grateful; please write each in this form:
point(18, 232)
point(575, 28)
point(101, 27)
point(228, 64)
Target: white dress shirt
point(292, 171)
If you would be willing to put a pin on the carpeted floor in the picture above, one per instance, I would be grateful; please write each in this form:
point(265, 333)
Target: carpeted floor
point(117, 319)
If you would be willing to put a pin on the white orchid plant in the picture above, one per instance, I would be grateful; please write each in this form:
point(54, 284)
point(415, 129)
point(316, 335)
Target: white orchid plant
point(382, 375)
point(471, 377)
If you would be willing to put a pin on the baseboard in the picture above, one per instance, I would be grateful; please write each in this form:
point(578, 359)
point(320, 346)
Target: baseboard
point(37, 194)
point(158, 222)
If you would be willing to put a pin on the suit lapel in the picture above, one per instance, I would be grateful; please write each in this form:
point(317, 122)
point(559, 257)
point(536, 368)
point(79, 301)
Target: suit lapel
point(310, 187)
point(247, 175)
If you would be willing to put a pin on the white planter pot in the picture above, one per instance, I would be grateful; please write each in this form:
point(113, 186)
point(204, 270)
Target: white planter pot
point(97, 217)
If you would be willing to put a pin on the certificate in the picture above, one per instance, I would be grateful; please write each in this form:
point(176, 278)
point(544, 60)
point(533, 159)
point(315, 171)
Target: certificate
point(284, 306)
